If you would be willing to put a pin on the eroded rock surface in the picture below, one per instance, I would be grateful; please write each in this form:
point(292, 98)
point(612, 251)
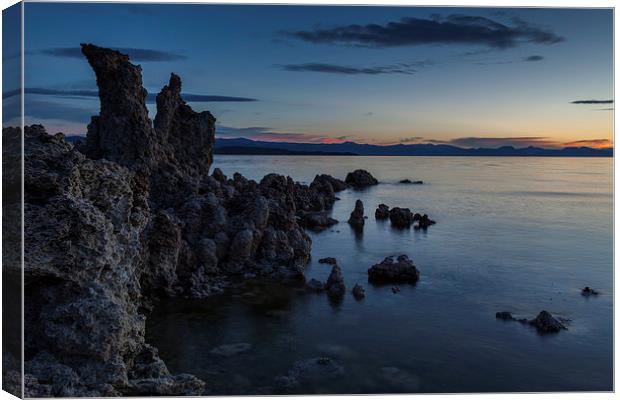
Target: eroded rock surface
point(360, 179)
point(132, 215)
point(356, 220)
point(388, 271)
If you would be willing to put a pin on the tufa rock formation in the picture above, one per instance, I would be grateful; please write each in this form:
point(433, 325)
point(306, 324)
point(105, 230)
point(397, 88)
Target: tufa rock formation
point(388, 271)
point(131, 215)
point(356, 220)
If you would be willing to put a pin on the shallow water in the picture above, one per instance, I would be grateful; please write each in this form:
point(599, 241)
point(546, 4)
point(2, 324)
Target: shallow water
point(515, 234)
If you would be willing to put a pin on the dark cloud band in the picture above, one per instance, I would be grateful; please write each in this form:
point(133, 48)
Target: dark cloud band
point(136, 54)
point(348, 70)
point(150, 98)
point(592, 102)
point(454, 29)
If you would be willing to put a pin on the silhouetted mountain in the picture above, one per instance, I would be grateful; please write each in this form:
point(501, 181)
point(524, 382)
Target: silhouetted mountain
point(405, 149)
point(250, 150)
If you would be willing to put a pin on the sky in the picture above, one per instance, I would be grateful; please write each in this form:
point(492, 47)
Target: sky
point(471, 77)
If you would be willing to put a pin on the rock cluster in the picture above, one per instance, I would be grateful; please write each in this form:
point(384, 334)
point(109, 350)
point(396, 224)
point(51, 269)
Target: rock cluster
point(382, 212)
point(390, 271)
point(130, 215)
point(403, 217)
point(544, 321)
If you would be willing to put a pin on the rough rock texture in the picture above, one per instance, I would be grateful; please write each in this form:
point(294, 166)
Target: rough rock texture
point(401, 217)
point(132, 215)
point(335, 282)
point(358, 292)
point(356, 220)
point(546, 323)
point(387, 271)
point(360, 179)
point(382, 212)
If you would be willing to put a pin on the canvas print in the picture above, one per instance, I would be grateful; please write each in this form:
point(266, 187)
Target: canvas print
point(206, 199)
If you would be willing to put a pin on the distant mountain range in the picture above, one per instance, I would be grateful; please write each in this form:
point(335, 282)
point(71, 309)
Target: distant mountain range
point(247, 146)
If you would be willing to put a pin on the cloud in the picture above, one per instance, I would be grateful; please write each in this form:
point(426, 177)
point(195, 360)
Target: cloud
point(494, 142)
point(592, 102)
point(368, 114)
point(595, 143)
point(136, 54)
point(269, 134)
point(190, 97)
point(534, 58)
point(346, 70)
point(411, 139)
point(454, 29)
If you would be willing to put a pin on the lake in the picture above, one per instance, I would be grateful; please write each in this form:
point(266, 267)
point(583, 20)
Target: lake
point(512, 234)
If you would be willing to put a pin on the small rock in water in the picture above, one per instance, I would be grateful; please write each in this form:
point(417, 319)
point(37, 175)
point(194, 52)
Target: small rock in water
point(328, 260)
point(546, 323)
point(409, 181)
point(505, 315)
point(382, 212)
point(403, 270)
point(395, 289)
point(588, 291)
point(357, 215)
point(358, 292)
point(315, 285)
point(310, 373)
point(335, 282)
point(424, 222)
point(227, 350)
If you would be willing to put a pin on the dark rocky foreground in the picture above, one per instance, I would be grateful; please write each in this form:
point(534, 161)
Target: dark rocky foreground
point(130, 215)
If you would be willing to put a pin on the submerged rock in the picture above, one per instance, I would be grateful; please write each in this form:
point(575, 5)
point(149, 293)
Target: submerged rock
point(424, 222)
point(358, 292)
point(360, 179)
point(335, 282)
point(410, 182)
point(310, 373)
point(315, 285)
point(507, 316)
point(227, 350)
point(316, 220)
point(328, 260)
point(382, 212)
point(387, 271)
point(546, 323)
point(356, 220)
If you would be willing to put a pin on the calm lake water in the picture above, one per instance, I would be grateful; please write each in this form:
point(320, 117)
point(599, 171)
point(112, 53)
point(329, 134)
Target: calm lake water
point(515, 234)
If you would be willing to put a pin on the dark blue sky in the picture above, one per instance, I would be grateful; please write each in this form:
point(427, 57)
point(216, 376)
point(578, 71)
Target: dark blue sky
point(468, 76)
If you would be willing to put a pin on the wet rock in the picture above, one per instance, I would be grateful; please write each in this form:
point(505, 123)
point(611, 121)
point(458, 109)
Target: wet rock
point(336, 184)
point(315, 285)
point(588, 291)
point(424, 222)
point(546, 323)
point(328, 260)
point(401, 217)
point(316, 220)
point(356, 220)
point(410, 182)
point(360, 179)
point(504, 315)
point(335, 282)
point(310, 373)
point(401, 270)
point(382, 212)
point(227, 350)
point(358, 292)
point(395, 289)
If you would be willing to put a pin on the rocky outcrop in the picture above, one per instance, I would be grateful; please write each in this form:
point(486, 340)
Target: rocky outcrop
point(335, 282)
point(131, 215)
point(356, 220)
point(546, 323)
point(390, 271)
point(382, 212)
point(401, 217)
point(360, 179)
